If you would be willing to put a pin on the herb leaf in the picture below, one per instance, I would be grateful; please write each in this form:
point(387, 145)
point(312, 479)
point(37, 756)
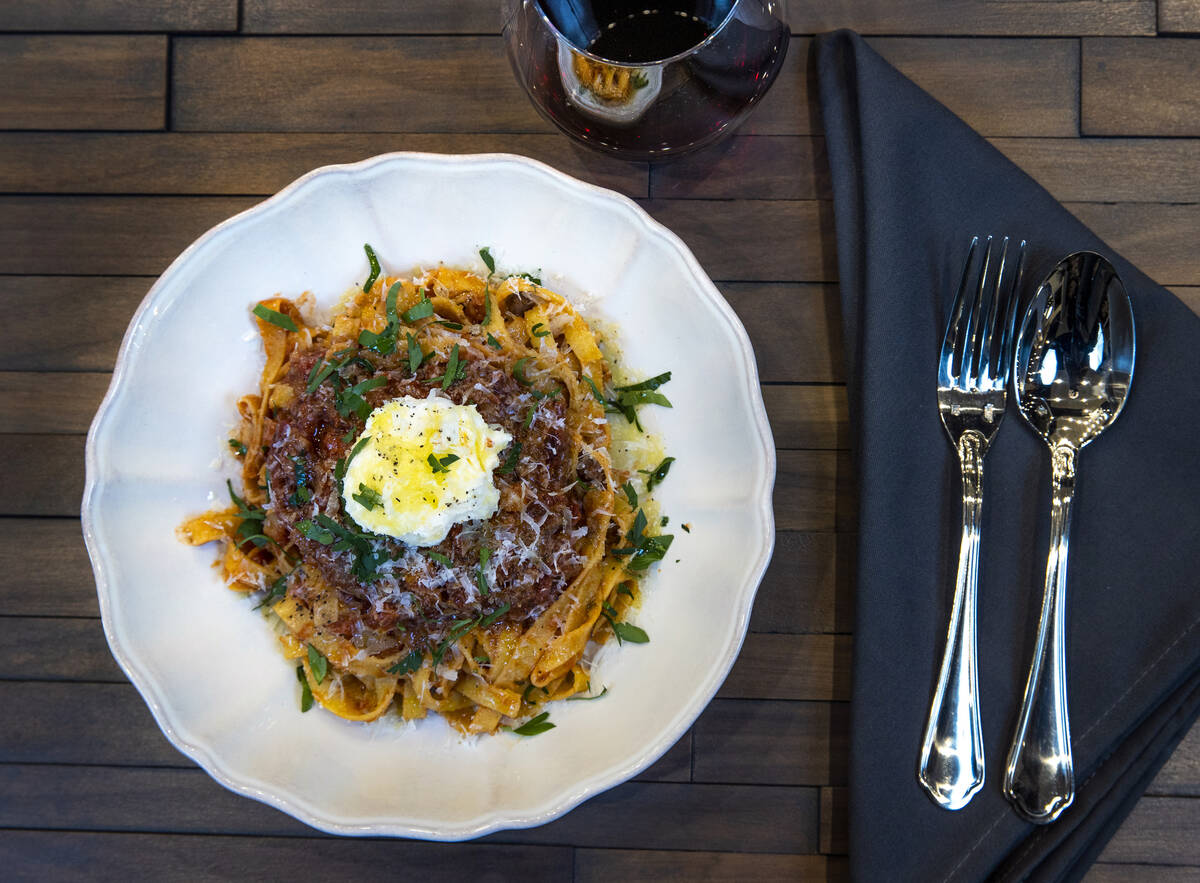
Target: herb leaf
point(269, 315)
point(374, 262)
point(238, 447)
point(652, 383)
point(630, 633)
point(368, 497)
point(657, 474)
point(492, 342)
point(312, 532)
point(441, 464)
point(485, 555)
point(422, 309)
point(518, 370)
point(408, 664)
point(488, 260)
point(306, 696)
point(587, 698)
point(630, 495)
point(440, 558)
point(539, 330)
point(535, 725)
point(317, 663)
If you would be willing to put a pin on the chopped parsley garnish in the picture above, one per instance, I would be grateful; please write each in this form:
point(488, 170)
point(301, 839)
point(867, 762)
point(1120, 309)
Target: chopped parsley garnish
point(374, 262)
point(536, 280)
point(249, 529)
point(534, 726)
point(623, 630)
point(422, 309)
point(487, 308)
point(275, 592)
point(362, 443)
point(630, 495)
point(686, 527)
point(349, 436)
point(539, 330)
point(492, 342)
point(644, 549)
point(510, 462)
point(302, 493)
point(488, 260)
point(408, 664)
point(415, 355)
point(518, 370)
point(317, 663)
point(529, 417)
point(595, 392)
point(368, 497)
point(587, 698)
point(658, 473)
point(440, 558)
point(452, 368)
point(306, 696)
point(645, 385)
point(269, 315)
point(485, 555)
point(462, 626)
point(311, 531)
point(238, 447)
point(366, 560)
point(441, 464)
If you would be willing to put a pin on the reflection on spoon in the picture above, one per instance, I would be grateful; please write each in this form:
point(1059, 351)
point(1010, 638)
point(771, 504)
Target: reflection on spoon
point(1073, 365)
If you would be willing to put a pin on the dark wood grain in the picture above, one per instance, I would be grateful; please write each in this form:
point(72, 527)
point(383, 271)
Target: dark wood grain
point(771, 743)
point(257, 163)
point(1159, 239)
point(834, 821)
point(41, 474)
point(809, 417)
point(91, 798)
point(79, 856)
point(104, 234)
point(87, 335)
point(1158, 828)
point(44, 569)
point(814, 491)
point(1180, 777)
point(1118, 95)
point(980, 17)
point(61, 402)
point(808, 585)
point(632, 866)
point(1178, 16)
point(795, 328)
point(86, 82)
point(755, 167)
point(790, 667)
point(370, 17)
point(118, 15)
point(1110, 872)
point(56, 649)
point(333, 84)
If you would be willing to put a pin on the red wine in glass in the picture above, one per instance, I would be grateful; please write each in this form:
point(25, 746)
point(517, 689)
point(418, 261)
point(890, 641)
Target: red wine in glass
point(645, 80)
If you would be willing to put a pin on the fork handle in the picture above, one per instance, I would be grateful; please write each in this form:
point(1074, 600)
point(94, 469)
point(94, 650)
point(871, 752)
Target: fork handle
point(951, 764)
point(1039, 777)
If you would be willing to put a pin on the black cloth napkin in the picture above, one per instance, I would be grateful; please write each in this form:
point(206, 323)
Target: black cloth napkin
point(911, 184)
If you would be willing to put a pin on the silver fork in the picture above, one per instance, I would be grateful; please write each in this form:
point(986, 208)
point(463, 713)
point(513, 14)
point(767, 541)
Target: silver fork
point(973, 371)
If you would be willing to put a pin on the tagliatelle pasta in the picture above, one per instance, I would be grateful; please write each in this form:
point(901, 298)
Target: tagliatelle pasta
point(489, 618)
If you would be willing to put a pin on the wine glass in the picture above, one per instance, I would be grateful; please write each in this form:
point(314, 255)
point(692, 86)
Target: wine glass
point(644, 79)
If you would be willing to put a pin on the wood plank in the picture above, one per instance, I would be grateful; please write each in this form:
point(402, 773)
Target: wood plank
point(1010, 18)
point(1123, 87)
point(814, 491)
point(118, 15)
point(772, 743)
point(1159, 239)
point(755, 240)
point(808, 586)
point(1110, 169)
point(89, 82)
point(796, 329)
point(104, 235)
point(1160, 830)
point(108, 723)
point(1180, 776)
point(808, 417)
point(79, 856)
point(61, 402)
point(44, 569)
point(1178, 16)
point(251, 163)
point(36, 649)
point(835, 821)
point(87, 335)
point(797, 667)
point(86, 798)
point(634, 865)
point(1190, 295)
point(41, 474)
point(999, 87)
point(747, 167)
point(370, 17)
point(1109, 872)
point(346, 84)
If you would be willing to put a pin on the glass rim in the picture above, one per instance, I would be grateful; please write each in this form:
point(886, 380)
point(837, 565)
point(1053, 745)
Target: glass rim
point(691, 50)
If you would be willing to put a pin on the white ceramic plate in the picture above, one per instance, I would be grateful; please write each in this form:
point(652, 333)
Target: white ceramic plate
point(210, 669)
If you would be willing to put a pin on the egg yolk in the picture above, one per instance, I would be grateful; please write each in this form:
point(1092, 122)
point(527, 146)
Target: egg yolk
point(421, 467)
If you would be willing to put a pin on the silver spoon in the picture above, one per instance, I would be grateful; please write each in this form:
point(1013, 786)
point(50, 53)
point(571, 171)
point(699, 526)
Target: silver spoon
point(1073, 366)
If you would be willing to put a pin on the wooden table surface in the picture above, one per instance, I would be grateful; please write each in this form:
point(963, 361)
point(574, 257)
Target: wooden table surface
point(129, 128)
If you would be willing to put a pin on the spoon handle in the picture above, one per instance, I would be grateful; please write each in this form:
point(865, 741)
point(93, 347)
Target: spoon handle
point(1039, 777)
point(951, 763)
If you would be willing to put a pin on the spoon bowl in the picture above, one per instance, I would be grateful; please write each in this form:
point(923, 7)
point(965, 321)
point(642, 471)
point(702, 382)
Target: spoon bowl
point(1072, 369)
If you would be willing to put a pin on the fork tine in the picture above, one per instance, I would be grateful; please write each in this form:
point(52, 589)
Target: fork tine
point(969, 373)
point(1006, 355)
point(997, 306)
point(946, 373)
